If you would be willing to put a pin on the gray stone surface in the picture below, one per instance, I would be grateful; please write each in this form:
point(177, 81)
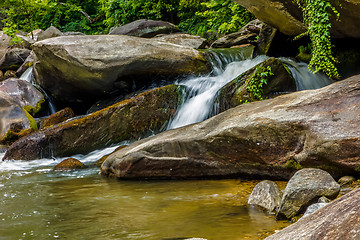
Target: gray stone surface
point(266, 194)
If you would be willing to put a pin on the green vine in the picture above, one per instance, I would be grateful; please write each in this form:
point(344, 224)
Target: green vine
point(258, 81)
point(316, 15)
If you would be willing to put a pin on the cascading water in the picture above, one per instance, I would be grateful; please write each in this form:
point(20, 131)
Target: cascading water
point(28, 76)
point(199, 94)
point(304, 78)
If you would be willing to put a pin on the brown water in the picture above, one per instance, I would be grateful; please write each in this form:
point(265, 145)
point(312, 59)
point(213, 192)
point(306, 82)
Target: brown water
point(37, 203)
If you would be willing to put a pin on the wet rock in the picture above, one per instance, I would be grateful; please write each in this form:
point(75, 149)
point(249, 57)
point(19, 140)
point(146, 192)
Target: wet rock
point(78, 69)
point(312, 208)
point(145, 28)
point(22, 92)
point(130, 119)
point(236, 92)
point(267, 195)
point(304, 188)
point(103, 158)
point(58, 117)
point(69, 164)
point(27, 63)
point(185, 40)
point(51, 32)
point(266, 36)
point(265, 139)
point(14, 58)
point(286, 16)
point(337, 220)
point(346, 180)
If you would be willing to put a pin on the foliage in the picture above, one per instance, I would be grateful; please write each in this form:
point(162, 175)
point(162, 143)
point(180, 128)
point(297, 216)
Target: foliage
point(258, 81)
point(11, 32)
point(316, 15)
point(69, 15)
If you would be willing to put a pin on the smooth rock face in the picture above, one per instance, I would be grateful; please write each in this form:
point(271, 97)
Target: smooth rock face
point(126, 120)
point(266, 194)
point(14, 58)
point(22, 92)
point(286, 16)
point(183, 39)
point(304, 188)
point(84, 68)
point(261, 139)
point(145, 28)
point(337, 220)
point(235, 92)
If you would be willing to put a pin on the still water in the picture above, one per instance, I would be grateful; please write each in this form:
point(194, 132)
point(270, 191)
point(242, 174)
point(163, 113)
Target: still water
point(38, 203)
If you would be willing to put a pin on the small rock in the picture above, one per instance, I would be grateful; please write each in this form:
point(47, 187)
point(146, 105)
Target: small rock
point(69, 164)
point(346, 180)
point(304, 188)
point(324, 200)
point(266, 194)
point(312, 208)
point(58, 117)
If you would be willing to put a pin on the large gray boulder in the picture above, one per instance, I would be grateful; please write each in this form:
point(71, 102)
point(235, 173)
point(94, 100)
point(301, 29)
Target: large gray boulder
point(130, 119)
point(268, 139)
point(337, 220)
point(267, 195)
point(14, 58)
point(79, 69)
point(183, 39)
point(145, 28)
point(286, 16)
point(304, 188)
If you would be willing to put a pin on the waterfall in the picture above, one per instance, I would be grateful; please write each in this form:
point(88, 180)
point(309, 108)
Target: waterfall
point(304, 78)
point(200, 92)
point(28, 76)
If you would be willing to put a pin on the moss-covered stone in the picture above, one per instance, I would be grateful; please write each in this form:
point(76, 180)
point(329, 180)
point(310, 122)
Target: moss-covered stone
point(34, 110)
point(58, 117)
point(69, 164)
point(133, 118)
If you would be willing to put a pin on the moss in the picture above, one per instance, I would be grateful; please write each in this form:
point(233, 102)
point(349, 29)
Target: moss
point(32, 121)
point(304, 57)
point(34, 110)
point(293, 164)
point(12, 136)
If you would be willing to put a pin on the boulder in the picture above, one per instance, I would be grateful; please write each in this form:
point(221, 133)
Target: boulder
point(13, 119)
point(246, 34)
point(51, 32)
point(127, 120)
point(22, 92)
point(265, 139)
point(185, 40)
point(286, 16)
point(337, 220)
point(79, 69)
point(267, 195)
point(35, 34)
point(69, 164)
point(4, 43)
point(304, 188)
point(58, 117)
point(145, 28)
point(236, 92)
point(14, 58)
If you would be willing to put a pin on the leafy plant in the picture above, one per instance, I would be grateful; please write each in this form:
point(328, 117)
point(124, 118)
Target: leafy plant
point(258, 81)
point(11, 32)
point(316, 14)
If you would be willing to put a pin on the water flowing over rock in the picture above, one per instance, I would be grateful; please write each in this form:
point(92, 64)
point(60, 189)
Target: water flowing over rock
point(337, 220)
point(145, 28)
point(304, 188)
point(80, 69)
point(129, 119)
point(318, 128)
point(267, 195)
point(286, 16)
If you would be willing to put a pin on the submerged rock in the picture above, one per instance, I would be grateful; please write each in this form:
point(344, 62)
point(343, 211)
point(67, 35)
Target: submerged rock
point(337, 220)
point(266, 194)
point(130, 119)
point(78, 69)
point(69, 164)
point(236, 92)
point(266, 139)
point(304, 188)
point(145, 28)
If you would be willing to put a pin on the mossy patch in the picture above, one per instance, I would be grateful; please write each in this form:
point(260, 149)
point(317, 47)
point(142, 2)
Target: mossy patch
point(293, 164)
point(32, 121)
point(34, 110)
